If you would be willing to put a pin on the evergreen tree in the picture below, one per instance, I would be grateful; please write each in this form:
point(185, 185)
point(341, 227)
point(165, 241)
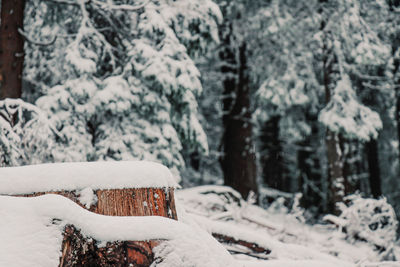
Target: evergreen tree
point(118, 80)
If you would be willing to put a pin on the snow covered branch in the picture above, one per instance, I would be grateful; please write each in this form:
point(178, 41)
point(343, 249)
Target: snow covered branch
point(30, 40)
point(120, 7)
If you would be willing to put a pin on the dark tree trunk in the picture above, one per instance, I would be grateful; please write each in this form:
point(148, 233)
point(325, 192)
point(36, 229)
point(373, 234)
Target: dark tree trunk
point(11, 48)
point(352, 170)
point(393, 5)
point(396, 82)
point(373, 166)
point(335, 171)
point(238, 161)
point(272, 159)
point(309, 166)
point(336, 188)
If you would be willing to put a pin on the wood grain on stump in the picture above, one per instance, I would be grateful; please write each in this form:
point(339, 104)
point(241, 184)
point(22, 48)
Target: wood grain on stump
point(80, 251)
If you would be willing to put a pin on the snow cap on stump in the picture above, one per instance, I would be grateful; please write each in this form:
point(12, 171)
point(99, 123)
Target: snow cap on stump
point(80, 175)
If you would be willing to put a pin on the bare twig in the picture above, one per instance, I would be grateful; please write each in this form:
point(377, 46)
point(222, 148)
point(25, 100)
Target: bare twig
point(30, 40)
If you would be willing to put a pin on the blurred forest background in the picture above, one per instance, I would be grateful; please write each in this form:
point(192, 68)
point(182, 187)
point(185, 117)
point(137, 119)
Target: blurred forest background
point(275, 97)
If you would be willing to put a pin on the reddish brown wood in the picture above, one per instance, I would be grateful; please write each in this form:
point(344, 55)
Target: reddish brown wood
point(141, 253)
point(136, 202)
point(11, 48)
point(250, 245)
point(79, 251)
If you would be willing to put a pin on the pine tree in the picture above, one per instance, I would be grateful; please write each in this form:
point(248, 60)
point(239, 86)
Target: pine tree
point(125, 85)
point(344, 115)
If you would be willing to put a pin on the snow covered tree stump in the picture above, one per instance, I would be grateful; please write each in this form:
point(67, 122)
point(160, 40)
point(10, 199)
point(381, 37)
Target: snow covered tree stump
point(140, 189)
point(77, 250)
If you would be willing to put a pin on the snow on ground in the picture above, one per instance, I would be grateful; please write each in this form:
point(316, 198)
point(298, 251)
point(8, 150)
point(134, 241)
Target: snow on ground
point(81, 175)
point(219, 210)
point(31, 233)
point(31, 228)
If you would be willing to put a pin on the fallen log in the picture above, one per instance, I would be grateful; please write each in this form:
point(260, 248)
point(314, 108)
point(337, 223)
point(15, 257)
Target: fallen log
point(253, 247)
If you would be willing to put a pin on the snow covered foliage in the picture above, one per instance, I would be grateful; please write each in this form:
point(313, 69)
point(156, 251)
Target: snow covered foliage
point(26, 135)
point(370, 220)
point(127, 87)
point(354, 47)
point(51, 27)
point(344, 114)
point(288, 80)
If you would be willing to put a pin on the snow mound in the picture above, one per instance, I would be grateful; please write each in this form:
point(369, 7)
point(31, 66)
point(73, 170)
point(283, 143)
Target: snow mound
point(80, 175)
point(37, 225)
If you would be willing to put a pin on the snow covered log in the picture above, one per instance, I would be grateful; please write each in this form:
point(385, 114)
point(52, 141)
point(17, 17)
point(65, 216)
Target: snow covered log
point(106, 188)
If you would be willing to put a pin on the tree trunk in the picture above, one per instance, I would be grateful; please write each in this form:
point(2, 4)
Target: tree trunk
point(396, 83)
point(11, 48)
point(373, 166)
point(309, 166)
point(351, 158)
point(393, 5)
point(335, 171)
point(272, 159)
point(239, 160)
point(336, 188)
point(80, 251)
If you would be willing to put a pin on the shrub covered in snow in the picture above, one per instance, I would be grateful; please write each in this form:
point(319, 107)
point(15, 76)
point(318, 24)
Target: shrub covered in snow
point(370, 220)
point(26, 136)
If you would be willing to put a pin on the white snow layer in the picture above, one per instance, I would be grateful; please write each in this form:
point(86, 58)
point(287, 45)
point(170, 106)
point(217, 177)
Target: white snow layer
point(87, 197)
point(81, 175)
point(29, 236)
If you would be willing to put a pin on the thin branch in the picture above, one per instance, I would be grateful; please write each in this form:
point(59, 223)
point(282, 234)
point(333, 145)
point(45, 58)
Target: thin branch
point(102, 5)
point(30, 40)
point(120, 7)
point(64, 2)
point(246, 251)
point(255, 248)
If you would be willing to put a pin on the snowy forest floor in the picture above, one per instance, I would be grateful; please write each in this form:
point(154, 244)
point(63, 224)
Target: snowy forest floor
point(255, 237)
point(291, 242)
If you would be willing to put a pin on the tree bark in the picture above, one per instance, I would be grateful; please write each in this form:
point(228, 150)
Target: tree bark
point(395, 40)
point(272, 159)
point(374, 170)
point(352, 170)
point(396, 83)
point(239, 160)
point(309, 166)
point(335, 171)
point(336, 188)
point(80, 251)
point(11, 48)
